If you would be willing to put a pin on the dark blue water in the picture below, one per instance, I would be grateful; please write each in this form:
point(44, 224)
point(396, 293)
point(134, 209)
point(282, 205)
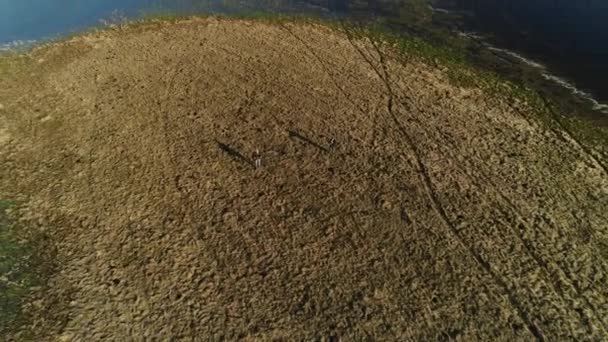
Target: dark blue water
point(26, 20)
point(23, 21)
point(571, 36)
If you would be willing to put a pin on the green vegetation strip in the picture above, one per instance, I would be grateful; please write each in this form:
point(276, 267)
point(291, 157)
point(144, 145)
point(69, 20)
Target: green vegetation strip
point(17, 273)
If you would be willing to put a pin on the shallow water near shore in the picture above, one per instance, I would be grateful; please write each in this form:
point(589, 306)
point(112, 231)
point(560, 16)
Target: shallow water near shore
point(23, 23)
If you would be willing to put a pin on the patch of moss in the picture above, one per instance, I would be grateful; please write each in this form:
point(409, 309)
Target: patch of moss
point(26, 262)
point(11, 64)
point(18, 273)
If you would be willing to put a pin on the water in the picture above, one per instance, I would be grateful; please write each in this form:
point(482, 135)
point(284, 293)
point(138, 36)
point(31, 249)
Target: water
point(568, 37)
point(566, 40)
point(26, 21)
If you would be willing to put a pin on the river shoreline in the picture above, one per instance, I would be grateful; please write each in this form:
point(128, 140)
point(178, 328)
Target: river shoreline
point(577, 70)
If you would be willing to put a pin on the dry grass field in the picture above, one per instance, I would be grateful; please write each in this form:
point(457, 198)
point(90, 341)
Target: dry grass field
point(439, 212)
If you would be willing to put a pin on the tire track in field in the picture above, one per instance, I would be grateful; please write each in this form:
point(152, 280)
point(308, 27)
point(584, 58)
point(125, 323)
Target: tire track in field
point(549, 274)
point(436, 203)
point(553, 280)
point(314, 54)
point(520, 217)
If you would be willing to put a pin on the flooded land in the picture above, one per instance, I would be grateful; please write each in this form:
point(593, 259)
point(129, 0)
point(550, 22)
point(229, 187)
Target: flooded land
point(224, 179)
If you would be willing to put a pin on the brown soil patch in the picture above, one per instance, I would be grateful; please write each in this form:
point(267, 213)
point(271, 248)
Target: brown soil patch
point(440, 213)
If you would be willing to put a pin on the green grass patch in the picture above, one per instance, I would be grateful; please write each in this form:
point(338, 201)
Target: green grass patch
point(597, 134)
point(12, 64)
point(18, 272)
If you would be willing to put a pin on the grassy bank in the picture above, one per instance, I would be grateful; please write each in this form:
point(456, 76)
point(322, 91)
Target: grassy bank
point(453, 55)
point(27, 261)
point(17, 272)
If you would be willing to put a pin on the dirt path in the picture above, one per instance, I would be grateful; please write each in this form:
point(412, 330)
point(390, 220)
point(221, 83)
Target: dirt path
point(438, 213)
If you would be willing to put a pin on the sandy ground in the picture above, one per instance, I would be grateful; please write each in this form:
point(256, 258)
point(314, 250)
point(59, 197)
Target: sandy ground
point(440, 213)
